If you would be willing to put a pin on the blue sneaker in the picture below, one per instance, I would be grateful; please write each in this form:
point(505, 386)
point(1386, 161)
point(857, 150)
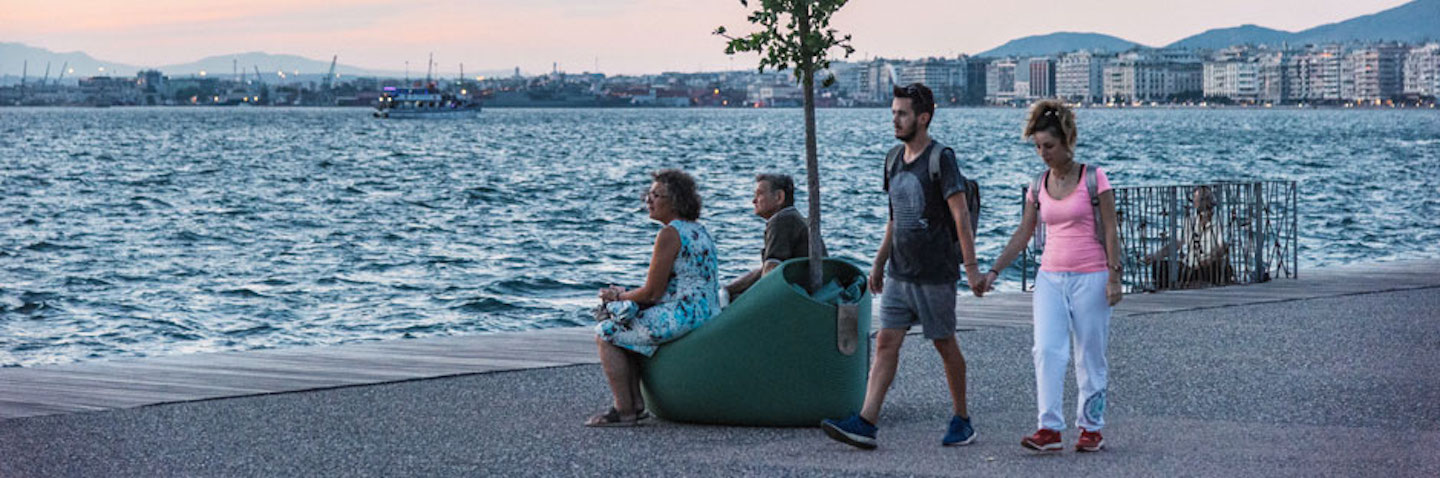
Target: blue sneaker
point(961, 433)
point(853, 431)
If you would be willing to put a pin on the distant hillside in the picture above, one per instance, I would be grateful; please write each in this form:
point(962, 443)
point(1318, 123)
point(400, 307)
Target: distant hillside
point(269, 65)
point(1241, 35)
point(13, 57)
point(1412, 22)
point(1061, 42)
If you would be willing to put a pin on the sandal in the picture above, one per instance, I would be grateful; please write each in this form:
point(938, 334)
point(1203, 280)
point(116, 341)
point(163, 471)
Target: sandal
point(612, 418)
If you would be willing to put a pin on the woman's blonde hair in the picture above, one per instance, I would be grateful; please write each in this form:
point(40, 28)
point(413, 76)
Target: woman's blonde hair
point(1052, 116)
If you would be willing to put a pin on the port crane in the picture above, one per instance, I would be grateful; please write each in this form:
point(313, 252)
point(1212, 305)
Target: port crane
point(325, 84)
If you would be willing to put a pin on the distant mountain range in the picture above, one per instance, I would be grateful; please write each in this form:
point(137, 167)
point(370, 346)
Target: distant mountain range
point(1058, 43)
point(268, 64)
point(1241, 35)
point(14, 55)
point(1416, 21)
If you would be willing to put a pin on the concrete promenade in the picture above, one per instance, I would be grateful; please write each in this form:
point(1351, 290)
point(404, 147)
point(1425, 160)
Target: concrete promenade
point(1337, 373)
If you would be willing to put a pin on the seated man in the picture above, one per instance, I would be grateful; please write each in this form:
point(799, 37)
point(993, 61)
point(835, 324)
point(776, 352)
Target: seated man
point(787, 233)
point(1204, 255)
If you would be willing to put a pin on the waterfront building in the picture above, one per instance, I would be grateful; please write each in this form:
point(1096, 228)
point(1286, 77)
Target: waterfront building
point(848, 78)
point(1022, 80)
point(1422, 71)
point(107, 90)
point(153, 88)
point(1040, 78)
point(774, 95)
point(1270, 81)
point(1236, 79)
point(1373, 73)
point(945, 77)
point(975, 80)
point(1000, 81)
point(1080, 77)
point(1139, 77)
point(1314, 75)
point(878, 83)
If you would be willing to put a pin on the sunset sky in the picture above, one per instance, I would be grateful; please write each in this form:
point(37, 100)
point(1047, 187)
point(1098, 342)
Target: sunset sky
point(610, 36)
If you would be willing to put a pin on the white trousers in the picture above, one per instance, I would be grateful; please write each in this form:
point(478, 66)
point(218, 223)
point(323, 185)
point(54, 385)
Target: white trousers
point(1071, 305)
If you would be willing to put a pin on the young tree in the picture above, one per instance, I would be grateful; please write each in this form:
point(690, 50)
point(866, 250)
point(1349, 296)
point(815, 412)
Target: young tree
point(796, 34)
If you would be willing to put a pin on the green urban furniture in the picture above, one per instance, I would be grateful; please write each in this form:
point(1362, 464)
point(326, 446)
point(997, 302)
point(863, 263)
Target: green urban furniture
point(772, 358)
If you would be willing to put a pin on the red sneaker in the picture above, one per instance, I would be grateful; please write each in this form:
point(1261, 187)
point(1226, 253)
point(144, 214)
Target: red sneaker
point(1089, 441)
point(1044, 439)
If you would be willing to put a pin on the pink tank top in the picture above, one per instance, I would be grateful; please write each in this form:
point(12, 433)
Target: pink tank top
point(1070, 244)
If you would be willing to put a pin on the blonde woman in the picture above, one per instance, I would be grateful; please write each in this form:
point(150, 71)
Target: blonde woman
point(1078, 282)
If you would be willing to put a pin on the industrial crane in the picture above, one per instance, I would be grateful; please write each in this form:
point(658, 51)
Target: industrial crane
point(325, 84)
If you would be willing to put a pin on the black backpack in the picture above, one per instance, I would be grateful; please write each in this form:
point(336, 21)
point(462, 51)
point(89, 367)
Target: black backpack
point(972, 188)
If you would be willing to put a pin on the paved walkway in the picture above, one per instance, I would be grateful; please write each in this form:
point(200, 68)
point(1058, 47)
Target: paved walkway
point(1333, 386)
point(134, 382)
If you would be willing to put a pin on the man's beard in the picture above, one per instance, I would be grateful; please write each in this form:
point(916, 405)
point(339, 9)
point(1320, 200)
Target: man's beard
point(903, 136)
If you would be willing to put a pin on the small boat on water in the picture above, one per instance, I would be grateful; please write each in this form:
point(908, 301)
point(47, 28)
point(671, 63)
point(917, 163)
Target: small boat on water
point(426, 102)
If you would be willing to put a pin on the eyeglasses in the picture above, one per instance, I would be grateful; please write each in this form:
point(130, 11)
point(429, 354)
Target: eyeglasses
point(648, 196)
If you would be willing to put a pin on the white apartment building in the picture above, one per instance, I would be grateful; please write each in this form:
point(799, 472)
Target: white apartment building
point(1138, 77)
point(878, 82)
point(1080, 77)
point(1422, 71)
point(945, 77)
point(1000, 81)
point(1373, 73)
point(1236, 79)
point(1315, 74)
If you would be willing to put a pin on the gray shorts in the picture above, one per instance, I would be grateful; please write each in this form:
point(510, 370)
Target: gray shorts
point(904, 304)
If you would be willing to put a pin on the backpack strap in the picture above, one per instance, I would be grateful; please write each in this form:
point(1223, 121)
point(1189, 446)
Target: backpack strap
point(935, 153)
point(1035, 187)
point(1034, 194)
point(1092, 185)
point(890, 159)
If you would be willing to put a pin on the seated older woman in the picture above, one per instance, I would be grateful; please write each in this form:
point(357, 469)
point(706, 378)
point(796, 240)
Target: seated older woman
point(679, 294)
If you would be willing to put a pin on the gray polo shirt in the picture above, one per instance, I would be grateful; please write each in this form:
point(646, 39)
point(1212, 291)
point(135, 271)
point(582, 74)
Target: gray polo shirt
point(787, 236)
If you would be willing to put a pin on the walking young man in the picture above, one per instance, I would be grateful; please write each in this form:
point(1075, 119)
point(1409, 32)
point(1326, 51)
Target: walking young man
point(928, 234)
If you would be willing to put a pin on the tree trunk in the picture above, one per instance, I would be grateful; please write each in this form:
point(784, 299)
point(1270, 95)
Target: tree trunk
point(812, 165)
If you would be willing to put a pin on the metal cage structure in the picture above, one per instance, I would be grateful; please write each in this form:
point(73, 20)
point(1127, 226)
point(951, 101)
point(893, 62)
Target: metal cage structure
point(1199, 235)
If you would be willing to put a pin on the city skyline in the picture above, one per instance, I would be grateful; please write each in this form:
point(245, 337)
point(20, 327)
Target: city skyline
point(613, 37)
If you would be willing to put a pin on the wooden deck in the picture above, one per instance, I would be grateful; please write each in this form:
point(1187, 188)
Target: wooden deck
point(126, 383)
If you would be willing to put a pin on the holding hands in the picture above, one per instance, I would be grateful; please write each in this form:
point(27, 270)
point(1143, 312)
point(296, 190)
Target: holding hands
point(978, 283)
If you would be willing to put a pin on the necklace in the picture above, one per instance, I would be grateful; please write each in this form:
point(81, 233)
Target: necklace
point(1065, 176)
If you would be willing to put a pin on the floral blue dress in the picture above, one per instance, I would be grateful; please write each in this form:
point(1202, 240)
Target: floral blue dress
point(690, 299)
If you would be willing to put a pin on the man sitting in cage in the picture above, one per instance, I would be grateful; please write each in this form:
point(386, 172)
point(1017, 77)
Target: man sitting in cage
point(1204, 254)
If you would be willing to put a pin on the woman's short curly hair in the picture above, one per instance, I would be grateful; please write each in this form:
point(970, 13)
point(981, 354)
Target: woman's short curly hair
point(684, 195)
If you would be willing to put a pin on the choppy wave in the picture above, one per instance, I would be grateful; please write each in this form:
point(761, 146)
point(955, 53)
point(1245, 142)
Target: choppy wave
point(132, 232)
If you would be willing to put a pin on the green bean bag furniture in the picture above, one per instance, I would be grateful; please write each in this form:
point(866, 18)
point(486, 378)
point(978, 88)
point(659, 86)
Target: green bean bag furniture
point(772, 358)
